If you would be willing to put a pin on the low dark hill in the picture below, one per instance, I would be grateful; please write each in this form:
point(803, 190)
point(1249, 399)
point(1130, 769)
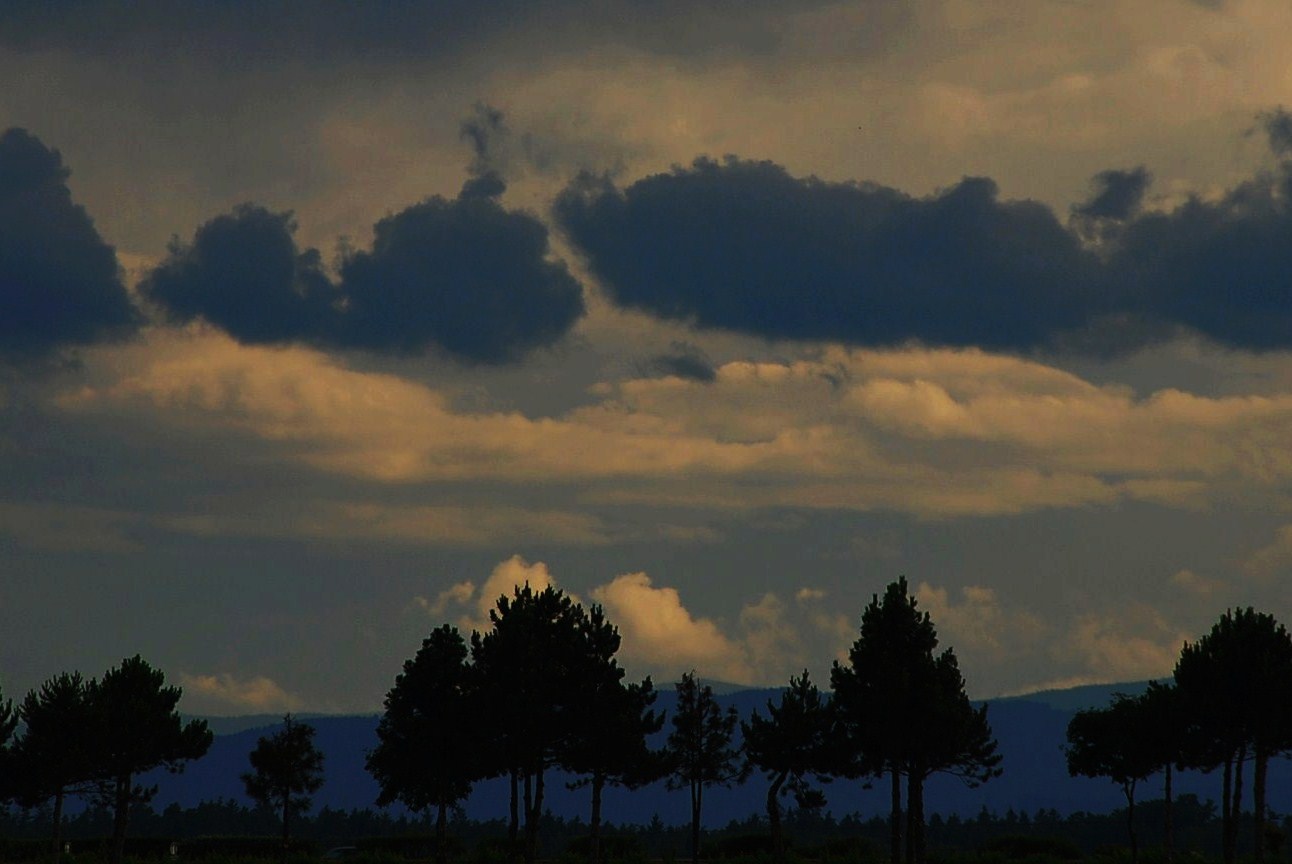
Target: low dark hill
point(1030, 730)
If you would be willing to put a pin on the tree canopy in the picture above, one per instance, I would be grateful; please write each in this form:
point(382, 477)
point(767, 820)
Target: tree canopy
point(1115, 742)
point(701, 750)
point(429, 741)
point(286, 771)
point(55, 756)
point(904, 711)
point(1236, 687)
point(138, 729)
point(794, 742)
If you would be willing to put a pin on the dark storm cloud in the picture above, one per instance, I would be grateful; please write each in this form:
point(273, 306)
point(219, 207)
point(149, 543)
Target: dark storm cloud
point(484, 129)
point(745, 246)
point(464, 276)
point(1222, 268)
point(378, 33)
point(1115, 194)
point(60, 285)
point(1278, 130)
point(243, 273)
point(683, 361)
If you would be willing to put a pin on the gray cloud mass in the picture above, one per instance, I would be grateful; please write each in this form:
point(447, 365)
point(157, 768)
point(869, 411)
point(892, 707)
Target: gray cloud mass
point(463, 276)
point(59, 282)
point(745, 246)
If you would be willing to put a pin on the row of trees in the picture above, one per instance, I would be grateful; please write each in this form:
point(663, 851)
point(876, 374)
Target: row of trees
point(542, 688)
point(1229, 703)
point(93, 737)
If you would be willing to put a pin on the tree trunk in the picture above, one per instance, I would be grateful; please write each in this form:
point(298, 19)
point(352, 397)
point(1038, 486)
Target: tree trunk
point(895, 820)
point(594, 827)
point(774, 814)
point(1236, 806)
point(1227, 811)
point(120, 819)
point(1129, 791)
point(697, 798)
point(915, 818)
point(513, 826)
point(57, 850)
point(534, 812)
point(1258, 803)
point(441, 834)
point(1168, 827)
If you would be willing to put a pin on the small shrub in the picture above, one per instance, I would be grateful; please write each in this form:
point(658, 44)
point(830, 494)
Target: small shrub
point(244, 847)
point(401, 847)
point(614, 847)
point(738, 846)
point(846, 849)
point(1016, 846)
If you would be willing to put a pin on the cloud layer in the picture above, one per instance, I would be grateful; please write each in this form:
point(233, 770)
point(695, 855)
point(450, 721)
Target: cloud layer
point(929, 433)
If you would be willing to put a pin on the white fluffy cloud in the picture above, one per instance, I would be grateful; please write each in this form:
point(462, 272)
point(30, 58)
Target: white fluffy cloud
point(658, 631)
point(767, 641)
point(474, 605)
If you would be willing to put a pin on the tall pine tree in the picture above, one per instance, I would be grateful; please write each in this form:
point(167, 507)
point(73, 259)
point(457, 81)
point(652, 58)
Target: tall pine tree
point(701, 751)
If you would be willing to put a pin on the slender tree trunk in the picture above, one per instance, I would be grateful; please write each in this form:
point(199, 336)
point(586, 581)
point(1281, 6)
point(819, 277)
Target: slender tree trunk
point(513, 826)
point(441, 834)
point(1168, 826)
point(529, 800)
point(1258, 803)
point(697, 798)
point(895, 820)
point(915, 852)
point(594, 827)
point(120, 819)
point(1227, 810)
point(287, 825)
point(774, 814)
point(1236, 808)
point(1129, 791)
point(57, 849)
point(534, 808)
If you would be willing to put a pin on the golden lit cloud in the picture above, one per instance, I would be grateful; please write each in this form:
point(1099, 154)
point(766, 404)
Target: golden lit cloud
point(658, 630)
point(930, 433)
point(227, 692)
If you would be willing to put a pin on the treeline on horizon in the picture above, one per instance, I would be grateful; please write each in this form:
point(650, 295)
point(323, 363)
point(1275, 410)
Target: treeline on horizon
point(542, 689)
point(1012, 833)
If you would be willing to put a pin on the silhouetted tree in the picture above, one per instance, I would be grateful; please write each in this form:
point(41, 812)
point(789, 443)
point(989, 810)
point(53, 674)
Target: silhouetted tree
point(795, 741)
point(1236, 686)
point(429, 739)
point(138, 729)
point(1164, 715)
point(1115, 742)
point(904, 711)
point(8, 723)
point(950, 737)
point(612, 721)
point(531, 667)
point(55, 755)
point(287, 769)
point(700, 748)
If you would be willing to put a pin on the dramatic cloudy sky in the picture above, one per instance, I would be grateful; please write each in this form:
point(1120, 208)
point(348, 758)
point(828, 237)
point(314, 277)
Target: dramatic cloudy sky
point(322, 324)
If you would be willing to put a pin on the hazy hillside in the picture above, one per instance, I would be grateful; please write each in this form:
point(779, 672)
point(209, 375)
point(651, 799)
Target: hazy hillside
point(1030, 730)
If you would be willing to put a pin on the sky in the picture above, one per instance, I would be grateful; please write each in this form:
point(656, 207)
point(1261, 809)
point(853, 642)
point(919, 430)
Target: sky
point(322, 324)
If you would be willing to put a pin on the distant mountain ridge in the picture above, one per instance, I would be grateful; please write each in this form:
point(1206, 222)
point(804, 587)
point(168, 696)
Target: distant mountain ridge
point(1031, 730)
